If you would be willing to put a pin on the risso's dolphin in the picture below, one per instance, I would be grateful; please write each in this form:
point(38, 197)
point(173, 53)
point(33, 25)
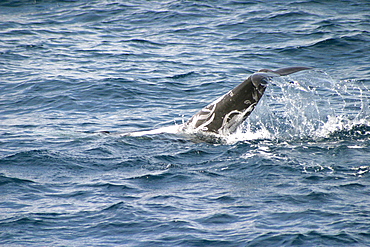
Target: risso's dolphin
point(224, 115)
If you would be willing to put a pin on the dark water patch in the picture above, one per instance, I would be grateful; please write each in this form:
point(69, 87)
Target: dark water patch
point(126, 191)
point(199, 154)
point(184, 75)
point(349, 43)
point(144, 42)
point(328, 25)
point(166, 158)
point(14, 56)
point(99, 152)
point(117, 228)
point(313, 237)
point(114, 207)
point(72, 195)
point(164, 198)
point(90, 17)
point(321, 197)
point(157, 181)
point(292, 218)
point(218, 219)
point(9, 180)
point(210, 174)
point(194, 241)
point(59, 165)
point(31, 157)
point(325, 176)
point(19, 32)
point(28, 222)
point(307, 197)
point(24, 188)
point(356, 132)
point(346, 47)
point(133, 162)
point(353, 186)
point(292, 18)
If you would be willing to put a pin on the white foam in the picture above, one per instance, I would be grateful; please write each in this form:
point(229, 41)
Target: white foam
point(173, 129)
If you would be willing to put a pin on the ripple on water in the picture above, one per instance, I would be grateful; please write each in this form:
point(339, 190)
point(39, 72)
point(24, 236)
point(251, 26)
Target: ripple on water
point(78, 75)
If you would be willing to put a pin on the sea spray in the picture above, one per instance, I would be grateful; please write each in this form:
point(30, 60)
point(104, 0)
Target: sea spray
point(309, 105)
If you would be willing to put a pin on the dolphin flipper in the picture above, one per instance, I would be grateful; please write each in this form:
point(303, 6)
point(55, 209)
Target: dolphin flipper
point(225, 114)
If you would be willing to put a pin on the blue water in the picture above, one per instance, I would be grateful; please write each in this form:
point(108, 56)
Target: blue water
point(297, 173)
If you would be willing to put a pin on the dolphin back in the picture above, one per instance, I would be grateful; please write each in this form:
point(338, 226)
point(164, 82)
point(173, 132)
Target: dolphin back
point(225, 114)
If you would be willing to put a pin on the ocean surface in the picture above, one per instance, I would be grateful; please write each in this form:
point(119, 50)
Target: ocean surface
point(77, 76)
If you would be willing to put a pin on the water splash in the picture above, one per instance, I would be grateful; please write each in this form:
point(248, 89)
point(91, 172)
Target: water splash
point(309, 105)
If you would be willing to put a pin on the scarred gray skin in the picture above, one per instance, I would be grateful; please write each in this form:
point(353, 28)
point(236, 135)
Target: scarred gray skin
point(224, 115)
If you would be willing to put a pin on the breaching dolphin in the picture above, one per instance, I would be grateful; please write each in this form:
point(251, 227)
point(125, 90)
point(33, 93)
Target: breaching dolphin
point(225, 114)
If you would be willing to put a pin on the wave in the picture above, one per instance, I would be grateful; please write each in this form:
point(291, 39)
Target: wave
point(11, 180)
